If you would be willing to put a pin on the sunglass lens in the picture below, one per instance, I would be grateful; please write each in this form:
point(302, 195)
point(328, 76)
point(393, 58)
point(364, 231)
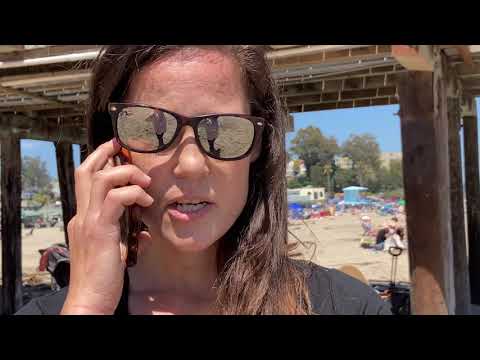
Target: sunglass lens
point(145, 129)
point(226, 137)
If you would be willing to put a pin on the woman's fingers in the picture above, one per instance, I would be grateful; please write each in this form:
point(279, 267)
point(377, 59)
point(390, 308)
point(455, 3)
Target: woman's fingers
point(110, 164)
point(105, 180)
point(71, 229)
point(144, 241)
point(118, 199)
point(97, 159)
point(83, 174)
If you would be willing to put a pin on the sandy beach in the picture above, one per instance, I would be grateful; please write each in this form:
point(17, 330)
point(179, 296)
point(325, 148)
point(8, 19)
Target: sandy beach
point(337, 245)
point(336, 242)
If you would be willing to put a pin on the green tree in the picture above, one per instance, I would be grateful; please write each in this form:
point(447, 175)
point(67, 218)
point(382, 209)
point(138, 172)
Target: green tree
point(314, 148)
point(299, 182)
point(364, 152)
point(396, 173)
point(41, 198)
point(345, 178)
point(304, 181)
point(293, 184)
point(317, 176)
point(34, 174)
point(391, 178)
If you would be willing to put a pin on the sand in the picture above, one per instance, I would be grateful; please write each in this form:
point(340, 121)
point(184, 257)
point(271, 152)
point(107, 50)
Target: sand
point(337, 242)
point(337, 245)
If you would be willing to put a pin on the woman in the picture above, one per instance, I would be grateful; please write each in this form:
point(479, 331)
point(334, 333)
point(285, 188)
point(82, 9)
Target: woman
point(215, 238)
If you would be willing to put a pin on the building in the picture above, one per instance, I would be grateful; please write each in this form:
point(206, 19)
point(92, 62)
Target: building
point(292, 172)
point(387, 157)
point(306, 194)
point(56, 189)
point(343, 162)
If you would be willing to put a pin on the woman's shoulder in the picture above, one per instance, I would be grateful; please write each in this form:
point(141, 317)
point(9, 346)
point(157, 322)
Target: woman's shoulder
point(331, 293)
point(334, 293)
point(50, 304)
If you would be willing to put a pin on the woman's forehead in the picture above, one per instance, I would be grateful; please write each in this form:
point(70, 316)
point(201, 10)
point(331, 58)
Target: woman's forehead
point(211, 77)
point(209, 69)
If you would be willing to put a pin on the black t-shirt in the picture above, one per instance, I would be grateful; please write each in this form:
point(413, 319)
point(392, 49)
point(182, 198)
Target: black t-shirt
point(331, 293)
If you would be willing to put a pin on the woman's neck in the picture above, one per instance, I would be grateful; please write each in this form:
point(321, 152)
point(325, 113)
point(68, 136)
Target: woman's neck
point(173, 281)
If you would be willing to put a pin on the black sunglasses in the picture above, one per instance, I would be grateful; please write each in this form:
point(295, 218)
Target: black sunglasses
point(147, 129)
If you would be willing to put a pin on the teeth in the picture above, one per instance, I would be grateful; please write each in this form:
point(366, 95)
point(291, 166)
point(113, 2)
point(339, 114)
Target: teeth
point(188, 208)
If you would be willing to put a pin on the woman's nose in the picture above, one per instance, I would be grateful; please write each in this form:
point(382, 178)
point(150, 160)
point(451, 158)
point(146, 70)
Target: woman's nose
point(191, 162)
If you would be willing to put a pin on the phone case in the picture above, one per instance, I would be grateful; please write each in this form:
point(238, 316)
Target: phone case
point(129, 225)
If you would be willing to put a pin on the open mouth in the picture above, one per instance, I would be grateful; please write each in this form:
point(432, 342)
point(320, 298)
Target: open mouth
point(188, 208)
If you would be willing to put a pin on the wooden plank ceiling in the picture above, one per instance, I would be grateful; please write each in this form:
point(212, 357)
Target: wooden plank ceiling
point(51, 82)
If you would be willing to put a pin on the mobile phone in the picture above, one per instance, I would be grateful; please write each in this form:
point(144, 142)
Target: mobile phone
point(129, 225)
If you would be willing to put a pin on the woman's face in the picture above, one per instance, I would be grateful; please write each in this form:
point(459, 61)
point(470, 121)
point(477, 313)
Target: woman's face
point(192, 82)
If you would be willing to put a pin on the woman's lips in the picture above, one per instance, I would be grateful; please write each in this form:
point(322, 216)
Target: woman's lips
point(177, 213)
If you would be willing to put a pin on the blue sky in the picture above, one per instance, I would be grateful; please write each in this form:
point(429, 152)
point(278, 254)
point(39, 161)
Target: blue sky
point(46, 151)
point(379, 121)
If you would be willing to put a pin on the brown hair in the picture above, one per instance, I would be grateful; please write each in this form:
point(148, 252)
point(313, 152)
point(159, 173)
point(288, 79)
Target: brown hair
point(256, 275)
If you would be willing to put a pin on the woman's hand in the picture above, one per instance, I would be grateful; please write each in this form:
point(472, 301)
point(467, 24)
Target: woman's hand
point(98, 258)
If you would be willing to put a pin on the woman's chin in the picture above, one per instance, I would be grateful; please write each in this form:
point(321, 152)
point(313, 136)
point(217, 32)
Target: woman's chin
point(191, 243)
point(192, 237)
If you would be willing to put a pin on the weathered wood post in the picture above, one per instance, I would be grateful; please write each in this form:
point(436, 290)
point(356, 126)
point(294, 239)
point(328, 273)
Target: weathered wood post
point(459, 237)
point(470, 140)
point(66, 180)
point(11, 224)
point(424, 128)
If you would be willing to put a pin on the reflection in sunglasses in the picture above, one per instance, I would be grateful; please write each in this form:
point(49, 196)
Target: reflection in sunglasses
point(160, 126)
point(211, 128)
point(221, 136)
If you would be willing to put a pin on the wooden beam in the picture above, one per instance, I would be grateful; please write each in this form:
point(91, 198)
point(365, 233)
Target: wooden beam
point(320, 100)
point(40, 129)
point(27, 94)
point(332, 86)
point(470, 140)
point(11, 225)
point(290, 124)
point(460, 257)
point(332, 57)
point(426, 179)
point(414, 57)
point(41, 107)
point(295, 50)
point(464, 51)
point(73, 86)
point(10, 48)
point(330, 105)
point(45, 78)
point(66, 180)
point(283, 80)
point(466, 71)
point(48, 51)
point(468, 107)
